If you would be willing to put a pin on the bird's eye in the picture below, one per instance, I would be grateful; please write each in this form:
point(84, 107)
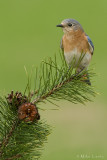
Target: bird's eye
point(69, 24)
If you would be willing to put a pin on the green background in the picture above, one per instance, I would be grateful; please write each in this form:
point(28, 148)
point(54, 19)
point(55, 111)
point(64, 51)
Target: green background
point(28, 34)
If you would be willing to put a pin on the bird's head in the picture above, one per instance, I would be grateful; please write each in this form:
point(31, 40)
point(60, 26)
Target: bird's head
point(69, 25)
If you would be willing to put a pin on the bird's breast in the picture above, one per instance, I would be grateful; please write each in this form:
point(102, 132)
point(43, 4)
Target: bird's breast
point(75, 40)
point(78, 58)
point(74, 45)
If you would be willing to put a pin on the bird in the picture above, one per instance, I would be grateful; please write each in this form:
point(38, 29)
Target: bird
point(76, 42)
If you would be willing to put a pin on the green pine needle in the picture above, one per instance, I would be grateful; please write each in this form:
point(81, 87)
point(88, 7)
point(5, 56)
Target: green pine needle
point(58, 82)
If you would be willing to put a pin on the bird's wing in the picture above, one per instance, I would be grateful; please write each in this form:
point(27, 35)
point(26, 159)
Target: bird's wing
point(61, 44)
point(90, 44)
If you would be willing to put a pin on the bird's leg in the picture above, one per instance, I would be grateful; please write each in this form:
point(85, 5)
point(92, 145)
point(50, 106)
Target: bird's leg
point(87, 79)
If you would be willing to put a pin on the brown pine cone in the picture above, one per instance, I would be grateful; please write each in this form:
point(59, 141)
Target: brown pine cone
point(28, 112)
point(16, 99)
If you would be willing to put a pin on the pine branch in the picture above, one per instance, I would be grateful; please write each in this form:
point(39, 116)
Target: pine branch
point(62, 82)
point(14, 157)
point(6, 139)
point(53, 90)
point(21, 135)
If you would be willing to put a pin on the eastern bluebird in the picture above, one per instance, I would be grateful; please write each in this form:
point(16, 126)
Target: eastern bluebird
point(74, 42)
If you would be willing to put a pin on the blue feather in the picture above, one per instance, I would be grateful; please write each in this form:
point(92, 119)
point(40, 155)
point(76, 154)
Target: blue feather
point(90, 43)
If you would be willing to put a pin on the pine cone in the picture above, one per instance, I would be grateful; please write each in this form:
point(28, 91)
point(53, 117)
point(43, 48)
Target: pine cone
point(16, 99)
point(28, 112)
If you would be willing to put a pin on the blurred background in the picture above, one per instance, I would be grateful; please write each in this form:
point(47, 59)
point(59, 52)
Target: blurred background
point(28, 34)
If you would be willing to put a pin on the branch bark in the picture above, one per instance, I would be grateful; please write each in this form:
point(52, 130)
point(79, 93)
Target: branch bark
point(6, 140)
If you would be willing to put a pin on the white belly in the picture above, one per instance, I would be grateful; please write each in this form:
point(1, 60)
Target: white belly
point(80, 59)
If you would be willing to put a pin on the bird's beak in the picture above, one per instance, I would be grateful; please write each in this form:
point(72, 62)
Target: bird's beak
point(59, 25)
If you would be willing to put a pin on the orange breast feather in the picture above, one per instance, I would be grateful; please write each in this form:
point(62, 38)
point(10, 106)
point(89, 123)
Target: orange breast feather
point(75, 40)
